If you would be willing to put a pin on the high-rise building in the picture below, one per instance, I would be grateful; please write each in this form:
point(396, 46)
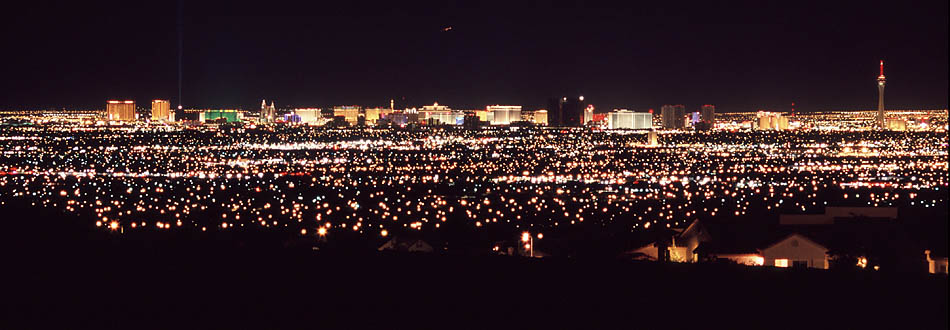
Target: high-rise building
point(312, 116)
point(484, 115)
point(537, 117)
point(897, 125)
point(652, 138)
point(161, 110)
point(880, 98)
point(626, 119)
point(588, 115)
point(121, 110)
point(504, 114)
point(566, 111)
point(436, 114)
point(224, 115)
point(374, 114)
point(350, 113)
point(708, 114)
point(674, 116)
point(771, 121)
point(444, 117)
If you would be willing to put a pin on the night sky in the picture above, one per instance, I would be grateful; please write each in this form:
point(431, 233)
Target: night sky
point(740, 56)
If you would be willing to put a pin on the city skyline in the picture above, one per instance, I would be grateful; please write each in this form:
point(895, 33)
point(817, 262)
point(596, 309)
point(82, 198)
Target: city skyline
point(473, 164)
point(468, 56)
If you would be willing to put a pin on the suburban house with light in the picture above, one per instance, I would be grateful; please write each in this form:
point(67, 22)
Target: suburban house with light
point(745, 245)
point(796, 251)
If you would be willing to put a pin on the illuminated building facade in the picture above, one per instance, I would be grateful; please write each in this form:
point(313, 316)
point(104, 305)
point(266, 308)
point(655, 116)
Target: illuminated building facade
point(309, 116)
point(626, 119)
point(436, 114)
point(537, 117)
point(796, 251)
point(350, 113)
point(447, 117)
point(229, 116)
point(771, 121)
point(673, 116)
point(374, 114)
point(484, 115)
point(121, 110)
point(268, 113)
point(435, 107)
point(504, 114)
point(897, 125)
point(161, 110)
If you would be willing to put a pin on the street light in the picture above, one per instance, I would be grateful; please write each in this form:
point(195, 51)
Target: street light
point(529, 242)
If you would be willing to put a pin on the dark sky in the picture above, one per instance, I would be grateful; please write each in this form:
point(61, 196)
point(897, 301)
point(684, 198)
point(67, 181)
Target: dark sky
point(740, 56)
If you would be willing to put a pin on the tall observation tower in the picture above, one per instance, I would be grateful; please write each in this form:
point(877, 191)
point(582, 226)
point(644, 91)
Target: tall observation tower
point(880, 98)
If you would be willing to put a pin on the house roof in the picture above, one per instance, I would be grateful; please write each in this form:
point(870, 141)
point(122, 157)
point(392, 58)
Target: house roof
point(401, 244)
point(796, 236)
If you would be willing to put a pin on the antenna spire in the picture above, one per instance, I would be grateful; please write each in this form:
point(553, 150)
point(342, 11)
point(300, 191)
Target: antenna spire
point(882, 68)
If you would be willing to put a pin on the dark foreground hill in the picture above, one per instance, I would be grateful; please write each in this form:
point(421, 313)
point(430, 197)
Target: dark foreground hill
point(55, 277)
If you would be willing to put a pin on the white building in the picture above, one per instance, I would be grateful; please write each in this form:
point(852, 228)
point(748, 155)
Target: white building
point(446, 117)
point(626, 119)
point(504, 114)
point(796, 251)
point(441, 114)
point(310, 116)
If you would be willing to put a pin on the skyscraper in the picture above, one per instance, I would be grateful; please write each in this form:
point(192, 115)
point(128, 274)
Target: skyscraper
point(708, 114)
point(673, 116)
point(880, 98)
point(375, 114)
point(161, 110)
point(120, 110)
point(350, 113)
point(626, 119)
point(504, 114)
point(538, 117)
point(566, 111)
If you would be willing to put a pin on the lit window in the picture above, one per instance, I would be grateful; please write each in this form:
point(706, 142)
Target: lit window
point(781, 262)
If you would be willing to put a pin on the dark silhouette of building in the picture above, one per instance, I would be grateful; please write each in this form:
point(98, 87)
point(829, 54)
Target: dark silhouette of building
point(674, 116)
point(566, 111)
point(708, 114)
